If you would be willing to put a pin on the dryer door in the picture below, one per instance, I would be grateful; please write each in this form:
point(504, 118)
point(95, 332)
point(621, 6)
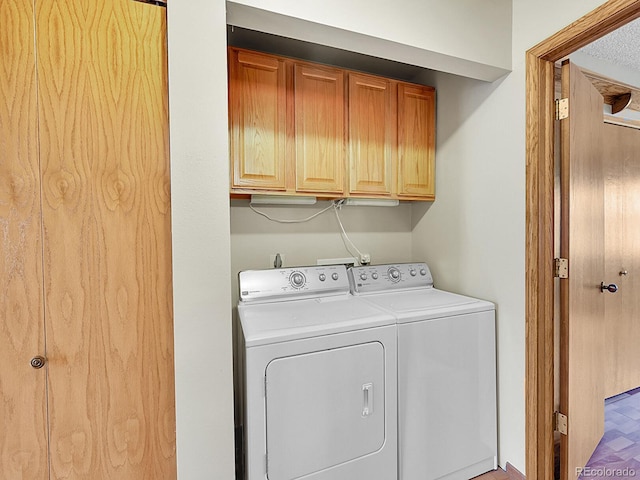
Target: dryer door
point(324, 409)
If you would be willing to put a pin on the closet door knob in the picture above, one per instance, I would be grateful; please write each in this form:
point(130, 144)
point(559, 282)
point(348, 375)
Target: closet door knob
point(38, 362)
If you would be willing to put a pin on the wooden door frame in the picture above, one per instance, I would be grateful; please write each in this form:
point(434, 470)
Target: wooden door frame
point(539, 375)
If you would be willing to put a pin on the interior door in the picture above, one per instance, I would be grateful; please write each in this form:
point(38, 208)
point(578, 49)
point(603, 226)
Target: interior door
point(622, 257)
point(581, 300)
point(23, 432)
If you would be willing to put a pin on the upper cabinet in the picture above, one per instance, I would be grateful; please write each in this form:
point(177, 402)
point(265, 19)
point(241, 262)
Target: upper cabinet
point(371, 134)
point(308, 129)
point(318, 97)
point(257, 120)
point(416, 140)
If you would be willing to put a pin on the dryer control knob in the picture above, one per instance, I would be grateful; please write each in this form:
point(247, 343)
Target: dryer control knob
point(363, 276)
point(423, 272)
point(334, 276)
point(374, 275)
point(297, 280)
point(322, 277)
point(394, 274)
point(413, 272)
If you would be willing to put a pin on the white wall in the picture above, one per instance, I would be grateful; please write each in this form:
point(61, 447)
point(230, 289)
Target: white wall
point(473, 234)
point(382, 232)
point(465, 37)
point(200, 217)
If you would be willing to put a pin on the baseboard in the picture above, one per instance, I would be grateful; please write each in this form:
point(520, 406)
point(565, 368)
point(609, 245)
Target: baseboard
point(514, 473)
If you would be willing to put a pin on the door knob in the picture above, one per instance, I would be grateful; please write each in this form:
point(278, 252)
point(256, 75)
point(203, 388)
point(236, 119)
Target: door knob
point(612, 288)
point(623, 273)
point(38, 362)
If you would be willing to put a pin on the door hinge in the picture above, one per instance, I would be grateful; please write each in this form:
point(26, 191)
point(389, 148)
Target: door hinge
point(562, 108)
point(561, 267)
point(560, 423)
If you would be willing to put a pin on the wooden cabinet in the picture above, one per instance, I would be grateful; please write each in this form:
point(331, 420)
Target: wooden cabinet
point(319, 134)
point(371, 134)
point(257, 118)
point(85, 232)
point(302, 128)
point(416, 140)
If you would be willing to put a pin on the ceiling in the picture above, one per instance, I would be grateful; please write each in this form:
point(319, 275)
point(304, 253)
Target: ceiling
point(620, 46)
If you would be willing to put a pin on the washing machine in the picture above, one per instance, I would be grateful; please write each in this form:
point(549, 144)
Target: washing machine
point(447, 426)
point(320, 378)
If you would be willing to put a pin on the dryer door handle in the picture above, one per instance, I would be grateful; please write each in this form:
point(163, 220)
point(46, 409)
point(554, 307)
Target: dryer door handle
point(367, 399)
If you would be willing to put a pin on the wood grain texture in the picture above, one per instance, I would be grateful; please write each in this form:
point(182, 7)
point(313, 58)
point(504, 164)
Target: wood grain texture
point(416, 140)
point(622, 247)
point(319, 128)
point(107, 238)
point(23, 431)
point(539, 383)
point(371, 134)
point(257, 120)
point(597, 23)
point(582, 242)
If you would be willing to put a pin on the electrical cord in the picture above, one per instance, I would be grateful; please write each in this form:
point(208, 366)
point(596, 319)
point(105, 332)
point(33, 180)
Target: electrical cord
point(279, 220)
point(336, 205)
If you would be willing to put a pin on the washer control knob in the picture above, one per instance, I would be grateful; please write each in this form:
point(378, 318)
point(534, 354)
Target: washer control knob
point(322, 277)
point(334, 275)
point(363, 276)
point(297, 280)
point(423, 272)
point(374, 275)
point(394, 274)
point(413, 272)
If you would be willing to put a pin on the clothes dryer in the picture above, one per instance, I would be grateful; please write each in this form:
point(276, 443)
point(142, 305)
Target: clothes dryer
point(447, 427)
point(320, 377)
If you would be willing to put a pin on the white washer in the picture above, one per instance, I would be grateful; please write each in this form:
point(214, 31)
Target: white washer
point(447, 427)
point(320, 378)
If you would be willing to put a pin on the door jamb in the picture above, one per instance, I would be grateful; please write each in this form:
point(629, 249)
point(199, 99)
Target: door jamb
point(539, 360)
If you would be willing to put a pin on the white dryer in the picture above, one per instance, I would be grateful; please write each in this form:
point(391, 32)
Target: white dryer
point(320, 377)
point(447, 427)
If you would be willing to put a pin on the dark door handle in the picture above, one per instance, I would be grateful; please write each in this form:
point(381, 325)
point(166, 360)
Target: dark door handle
point(612, 288)
point(38, 362)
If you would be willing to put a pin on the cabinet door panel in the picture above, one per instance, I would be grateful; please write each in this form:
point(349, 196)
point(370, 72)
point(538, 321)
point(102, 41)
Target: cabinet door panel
point(319, 120)
point(257, 120)
point(107, 239)
point(371, 127)
point(23, 431)
point(416, 140)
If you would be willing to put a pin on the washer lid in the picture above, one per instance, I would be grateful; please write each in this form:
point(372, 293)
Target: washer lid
point(426, 303)
point(284, 321)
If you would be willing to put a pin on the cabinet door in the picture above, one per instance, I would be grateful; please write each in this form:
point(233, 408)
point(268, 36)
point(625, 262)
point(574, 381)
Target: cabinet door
point(23, 431)
point(257, 120)
point(319, 123)
point(103, 115)
point(371, 129)
point(416, 141)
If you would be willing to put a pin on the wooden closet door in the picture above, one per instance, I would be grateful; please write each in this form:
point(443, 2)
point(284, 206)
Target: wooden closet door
point(107, 238)
point(23, 432)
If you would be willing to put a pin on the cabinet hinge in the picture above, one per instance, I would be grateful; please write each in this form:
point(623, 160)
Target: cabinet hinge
point(560, 423)
point(562, 108)
point(561, 267)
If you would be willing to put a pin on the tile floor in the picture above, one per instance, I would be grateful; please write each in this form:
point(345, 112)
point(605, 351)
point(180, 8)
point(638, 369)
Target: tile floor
point(617, 456)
